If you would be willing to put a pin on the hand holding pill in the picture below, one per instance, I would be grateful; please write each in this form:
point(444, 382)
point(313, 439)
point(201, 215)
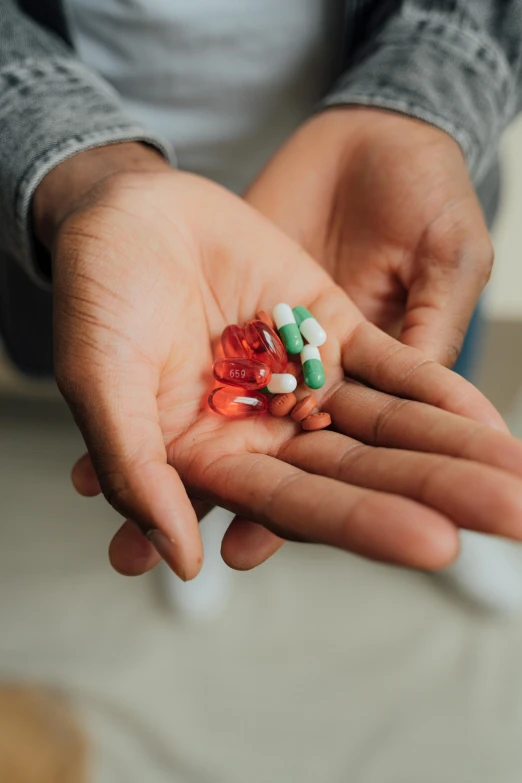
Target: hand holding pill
point(386, 205)
point(148, 272)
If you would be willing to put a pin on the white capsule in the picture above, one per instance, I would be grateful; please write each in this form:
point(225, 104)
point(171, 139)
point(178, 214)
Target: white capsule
point(313, 332)
point(309, 352)
point(283, 315)
point(282, 383)
point(309, 327)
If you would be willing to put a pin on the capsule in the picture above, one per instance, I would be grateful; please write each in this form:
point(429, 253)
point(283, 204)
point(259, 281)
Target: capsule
point(311, 329)
point(237, 403)
point(234, 344)
point(281, 383)
point(287, 328)
point(265, 345)
point(246, 373)
point(313, 370)
point(262, 315)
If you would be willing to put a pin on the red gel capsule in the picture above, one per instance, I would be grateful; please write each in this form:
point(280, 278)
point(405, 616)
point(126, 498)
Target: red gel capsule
point(246, 373)
point(237, 403)
point(234, 343)
point(266, 346)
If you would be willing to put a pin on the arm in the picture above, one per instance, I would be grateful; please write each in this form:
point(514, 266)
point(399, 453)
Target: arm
point(378, 190)
point(52, 108)
point(457, 66)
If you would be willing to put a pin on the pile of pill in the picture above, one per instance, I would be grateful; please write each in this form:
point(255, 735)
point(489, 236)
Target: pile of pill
point(257, 363)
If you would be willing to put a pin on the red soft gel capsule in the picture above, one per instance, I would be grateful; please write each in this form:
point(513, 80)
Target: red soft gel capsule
point(234, 344)
point(246, 373)
point(266, 346)
point(237, 403)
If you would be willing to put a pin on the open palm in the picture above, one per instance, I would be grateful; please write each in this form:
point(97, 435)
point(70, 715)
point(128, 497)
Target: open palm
point(147, 275)
point(386, 205)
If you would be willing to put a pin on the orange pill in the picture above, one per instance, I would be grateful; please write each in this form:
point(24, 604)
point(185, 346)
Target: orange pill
point(295, 369)
point(281, 404)
point(316, 421)
point(304, 408)
point(267, 319)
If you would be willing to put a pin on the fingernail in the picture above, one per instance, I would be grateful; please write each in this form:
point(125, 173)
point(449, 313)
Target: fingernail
point(166, 547)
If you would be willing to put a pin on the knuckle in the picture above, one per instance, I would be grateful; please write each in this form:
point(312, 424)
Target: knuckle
point(387, 412)
point(451, 355)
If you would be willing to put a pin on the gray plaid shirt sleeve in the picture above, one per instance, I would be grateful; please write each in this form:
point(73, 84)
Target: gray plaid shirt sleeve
point(456, 64)
point(51, 107)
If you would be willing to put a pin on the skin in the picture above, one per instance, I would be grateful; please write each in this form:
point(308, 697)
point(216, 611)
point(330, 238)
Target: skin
point(149, 265)
point(385, 204)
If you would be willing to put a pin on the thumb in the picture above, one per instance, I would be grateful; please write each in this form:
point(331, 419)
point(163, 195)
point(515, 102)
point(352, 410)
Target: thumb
point(118, 417)
point(451, 268)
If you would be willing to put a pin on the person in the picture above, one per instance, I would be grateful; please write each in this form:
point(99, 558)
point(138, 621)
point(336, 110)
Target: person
point(366, 212)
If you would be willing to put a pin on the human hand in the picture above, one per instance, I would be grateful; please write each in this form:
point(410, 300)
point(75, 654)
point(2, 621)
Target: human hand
point(149, 266)
point(385, 204)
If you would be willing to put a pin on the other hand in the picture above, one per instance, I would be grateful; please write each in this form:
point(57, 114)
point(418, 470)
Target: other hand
point(385, 204)
point(149, 266)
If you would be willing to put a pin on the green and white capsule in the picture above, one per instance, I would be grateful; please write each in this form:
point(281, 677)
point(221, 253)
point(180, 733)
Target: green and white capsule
point(313, 370)
point(311, 329)
point(287, 328)
point(281, 383)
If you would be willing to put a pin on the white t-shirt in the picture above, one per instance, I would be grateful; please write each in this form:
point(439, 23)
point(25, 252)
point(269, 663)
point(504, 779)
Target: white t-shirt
point(226, 81)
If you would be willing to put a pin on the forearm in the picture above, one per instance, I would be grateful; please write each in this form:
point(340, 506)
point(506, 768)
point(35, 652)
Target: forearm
point(67, 186)
point(459, 69)
point(52, 108)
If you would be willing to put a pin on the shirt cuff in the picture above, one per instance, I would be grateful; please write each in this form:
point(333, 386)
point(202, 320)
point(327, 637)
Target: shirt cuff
point(50, 111)
point(438, 69)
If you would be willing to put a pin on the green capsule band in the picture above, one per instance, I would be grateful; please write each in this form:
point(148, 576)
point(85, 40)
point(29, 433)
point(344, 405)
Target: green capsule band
point(288, 330)
point(301, 314)
point(291, 338)
point(313, 370)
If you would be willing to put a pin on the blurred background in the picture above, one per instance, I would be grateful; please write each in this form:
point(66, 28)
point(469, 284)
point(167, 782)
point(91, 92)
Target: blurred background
point(318, 667)
point(500, 370)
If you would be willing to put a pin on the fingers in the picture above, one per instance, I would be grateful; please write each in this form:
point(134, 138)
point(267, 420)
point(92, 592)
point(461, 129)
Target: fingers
point(382, 420)
point(452, 266)
point(473, 496)
point(152, 495)
point(375, 358)
point(246, 544)
point(85, 482)
point(84, 478)
point(130, 552)
point(121, 429)
point(297, 506)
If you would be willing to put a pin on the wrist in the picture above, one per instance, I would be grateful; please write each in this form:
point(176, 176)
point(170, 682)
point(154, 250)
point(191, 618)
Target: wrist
point(70, 184)
point(355, 126)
